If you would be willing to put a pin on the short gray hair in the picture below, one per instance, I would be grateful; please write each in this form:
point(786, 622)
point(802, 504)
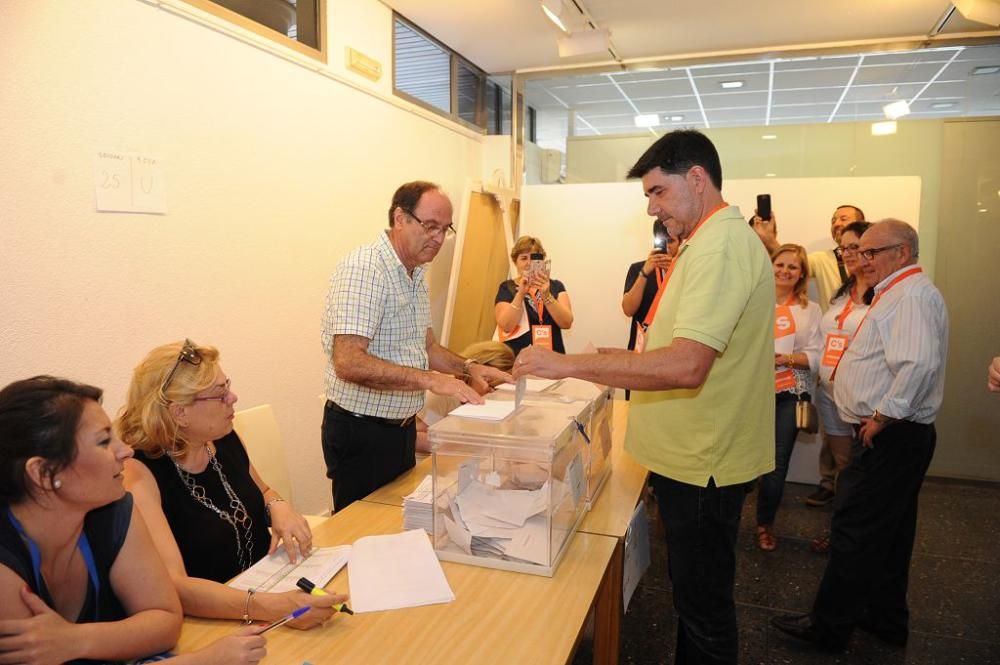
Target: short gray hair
point(903, 233)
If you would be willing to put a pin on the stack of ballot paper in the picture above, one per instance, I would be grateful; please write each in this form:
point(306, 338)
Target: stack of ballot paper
point(503, 523)
point(417, 507)
point(274, 573)
point(395, 571)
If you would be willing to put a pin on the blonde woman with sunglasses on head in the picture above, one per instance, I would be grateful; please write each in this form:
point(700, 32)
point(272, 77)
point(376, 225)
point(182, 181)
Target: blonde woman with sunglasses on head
point(206, 506)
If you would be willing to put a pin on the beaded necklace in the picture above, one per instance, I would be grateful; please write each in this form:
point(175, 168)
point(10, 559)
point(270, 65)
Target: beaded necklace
point(237, 515)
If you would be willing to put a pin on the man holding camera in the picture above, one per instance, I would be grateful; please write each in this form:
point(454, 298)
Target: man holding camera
point(711, 339)
point(826, 267)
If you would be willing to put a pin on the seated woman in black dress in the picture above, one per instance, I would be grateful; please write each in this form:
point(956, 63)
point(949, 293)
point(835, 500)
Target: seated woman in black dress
point(206, 506)
point(532, 308)
point(80, 579)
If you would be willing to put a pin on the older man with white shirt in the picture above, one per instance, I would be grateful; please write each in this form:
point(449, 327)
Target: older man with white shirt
point(889, 385)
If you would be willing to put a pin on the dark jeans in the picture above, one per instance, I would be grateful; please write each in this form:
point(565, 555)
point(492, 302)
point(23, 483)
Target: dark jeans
point(701, 524)
point(874, 523)
point(772, 485)
point(362, 456)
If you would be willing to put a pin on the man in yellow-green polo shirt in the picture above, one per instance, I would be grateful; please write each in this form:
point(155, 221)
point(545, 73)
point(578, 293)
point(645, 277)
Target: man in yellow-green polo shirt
point(702, 412)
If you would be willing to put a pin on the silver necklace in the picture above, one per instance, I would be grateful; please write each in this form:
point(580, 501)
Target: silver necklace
point(237, 515)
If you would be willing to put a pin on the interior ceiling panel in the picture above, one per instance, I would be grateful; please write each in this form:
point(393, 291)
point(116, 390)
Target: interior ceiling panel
point(484, 30)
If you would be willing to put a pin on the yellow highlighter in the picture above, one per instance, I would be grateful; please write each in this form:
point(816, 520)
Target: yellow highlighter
point(314, 590)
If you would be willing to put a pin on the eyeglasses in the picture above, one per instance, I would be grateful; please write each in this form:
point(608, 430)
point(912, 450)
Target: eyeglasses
point(844, 250)
point(870, 254)
point(217, 398)
point(431, 229)
point(189, 354)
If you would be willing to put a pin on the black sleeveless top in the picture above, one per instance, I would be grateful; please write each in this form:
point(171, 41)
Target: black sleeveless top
point(206, 541)
point(105, 528)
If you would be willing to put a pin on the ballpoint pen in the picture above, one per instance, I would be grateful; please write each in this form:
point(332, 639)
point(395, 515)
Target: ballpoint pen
point(314, 590)
point(285, 619)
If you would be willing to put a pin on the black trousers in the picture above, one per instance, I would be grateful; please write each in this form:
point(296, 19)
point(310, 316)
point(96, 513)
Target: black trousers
point(362, 455)
point(701, 525)
point(874, 524)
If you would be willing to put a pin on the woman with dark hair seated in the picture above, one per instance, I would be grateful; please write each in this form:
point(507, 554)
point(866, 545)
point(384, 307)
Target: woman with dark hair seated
point(207, 507)
point(80, 580)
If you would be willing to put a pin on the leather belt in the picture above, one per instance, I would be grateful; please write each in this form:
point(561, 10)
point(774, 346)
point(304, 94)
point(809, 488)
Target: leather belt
point(391, 422)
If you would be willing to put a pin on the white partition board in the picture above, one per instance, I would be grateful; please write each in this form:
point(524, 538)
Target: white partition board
point(592, 232)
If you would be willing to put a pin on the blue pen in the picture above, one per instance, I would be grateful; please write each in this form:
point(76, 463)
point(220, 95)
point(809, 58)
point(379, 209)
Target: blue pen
point(285, 619)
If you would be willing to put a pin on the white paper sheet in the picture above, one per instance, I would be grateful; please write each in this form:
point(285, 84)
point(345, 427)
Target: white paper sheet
point(400, 570)
point(531, 385)
point(275, 574)
point(636, 553)
point(490, 410)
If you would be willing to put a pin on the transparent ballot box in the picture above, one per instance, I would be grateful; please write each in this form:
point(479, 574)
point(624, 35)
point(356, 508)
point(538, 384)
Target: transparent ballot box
point(595, 415)
point(508, 494)
point(596, 419)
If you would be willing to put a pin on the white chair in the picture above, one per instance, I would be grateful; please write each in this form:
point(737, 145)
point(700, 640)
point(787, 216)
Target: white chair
point(258, 429)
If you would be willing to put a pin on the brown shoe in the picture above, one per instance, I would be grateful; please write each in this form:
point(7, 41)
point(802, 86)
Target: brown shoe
point(820, 497)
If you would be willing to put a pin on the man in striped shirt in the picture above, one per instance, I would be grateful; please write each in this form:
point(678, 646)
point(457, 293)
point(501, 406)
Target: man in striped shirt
point(889, 385)
point(381, 351)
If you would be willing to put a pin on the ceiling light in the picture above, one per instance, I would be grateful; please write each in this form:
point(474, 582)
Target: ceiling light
point(676, 118)
point(884, 128)
point(770, 175)
point(553, 9)
point(896, 110)
point(729, 85)
point(986, 69)
point(769, 137)
point(984, 210)
point(647, 120)
point(942, 105)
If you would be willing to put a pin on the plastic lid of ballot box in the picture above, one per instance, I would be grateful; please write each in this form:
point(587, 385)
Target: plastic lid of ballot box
point(509, 494)
point(597, 419)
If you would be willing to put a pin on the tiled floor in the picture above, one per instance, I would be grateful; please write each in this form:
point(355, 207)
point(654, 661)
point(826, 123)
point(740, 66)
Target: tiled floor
point(954, 586)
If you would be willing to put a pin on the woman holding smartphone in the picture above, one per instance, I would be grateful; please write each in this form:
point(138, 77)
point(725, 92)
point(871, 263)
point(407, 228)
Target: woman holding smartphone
point(532, 309)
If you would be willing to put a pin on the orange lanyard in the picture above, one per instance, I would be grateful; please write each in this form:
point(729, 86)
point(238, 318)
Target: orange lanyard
point(896, 280)
point(662, 285)
point(842, 317)
point(539, 307)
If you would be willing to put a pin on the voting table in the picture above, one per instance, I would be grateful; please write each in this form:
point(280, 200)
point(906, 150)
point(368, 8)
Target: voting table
point(497, 616)
point(609, 516)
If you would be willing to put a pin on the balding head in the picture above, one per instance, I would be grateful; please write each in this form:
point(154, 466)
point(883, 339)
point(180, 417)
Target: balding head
point(894, 244)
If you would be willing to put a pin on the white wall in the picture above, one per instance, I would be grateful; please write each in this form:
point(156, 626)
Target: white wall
point(274, 172)
point(592, 232)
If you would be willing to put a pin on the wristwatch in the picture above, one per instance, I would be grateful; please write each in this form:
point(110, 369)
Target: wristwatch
point(881, 418)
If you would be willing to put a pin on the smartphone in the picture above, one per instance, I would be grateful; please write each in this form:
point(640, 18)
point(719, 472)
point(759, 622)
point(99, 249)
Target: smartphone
point(764, 206)
point(660, 236)
point(537, 265)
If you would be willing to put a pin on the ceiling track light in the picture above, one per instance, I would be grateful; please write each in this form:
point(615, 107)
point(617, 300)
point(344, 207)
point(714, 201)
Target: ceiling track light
point(553, 9)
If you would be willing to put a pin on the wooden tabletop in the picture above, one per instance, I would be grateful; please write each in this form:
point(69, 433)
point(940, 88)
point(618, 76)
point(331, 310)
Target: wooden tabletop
point(393, 493)
point(497, 616)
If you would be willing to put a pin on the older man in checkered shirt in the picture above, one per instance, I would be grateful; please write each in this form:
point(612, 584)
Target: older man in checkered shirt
point(381, 351)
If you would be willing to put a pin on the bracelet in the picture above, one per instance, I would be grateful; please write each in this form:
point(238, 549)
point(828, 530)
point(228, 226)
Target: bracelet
point(246, 607)
point(267, 506)
point(643, 274)
point(550, 300)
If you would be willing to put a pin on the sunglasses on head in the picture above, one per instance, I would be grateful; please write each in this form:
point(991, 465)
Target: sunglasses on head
point(189, 354)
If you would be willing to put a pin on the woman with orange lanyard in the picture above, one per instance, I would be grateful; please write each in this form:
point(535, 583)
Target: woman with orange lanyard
point(847, 309)
point(533, 309)
point(797, 346)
